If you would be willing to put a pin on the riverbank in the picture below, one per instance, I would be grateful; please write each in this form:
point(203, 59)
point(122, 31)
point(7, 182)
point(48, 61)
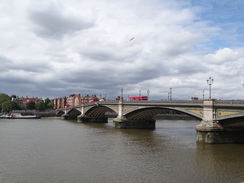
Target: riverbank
point(45, 113)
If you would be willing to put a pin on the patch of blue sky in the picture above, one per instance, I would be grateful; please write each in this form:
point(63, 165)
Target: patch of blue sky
point(227, 16)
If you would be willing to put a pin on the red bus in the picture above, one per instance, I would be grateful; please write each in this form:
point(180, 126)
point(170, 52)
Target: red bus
point(138, 98)
point(93, 99)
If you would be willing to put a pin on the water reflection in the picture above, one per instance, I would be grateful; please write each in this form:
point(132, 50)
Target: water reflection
point(221, 161)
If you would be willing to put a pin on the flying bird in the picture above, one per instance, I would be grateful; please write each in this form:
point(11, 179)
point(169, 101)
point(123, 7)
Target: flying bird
point(132, 38)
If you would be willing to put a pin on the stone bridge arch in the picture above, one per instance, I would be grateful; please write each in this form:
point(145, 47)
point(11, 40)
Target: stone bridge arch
point(73, 113)
point(148, 113)
point(143, 118)
point(97, 114)
point(60, 113)
point(233, 122)
point(99, 111)
point(70, 113)
point(228, 118)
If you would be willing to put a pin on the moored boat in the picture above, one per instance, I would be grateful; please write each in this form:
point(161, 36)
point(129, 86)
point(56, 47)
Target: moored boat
point(20, 116)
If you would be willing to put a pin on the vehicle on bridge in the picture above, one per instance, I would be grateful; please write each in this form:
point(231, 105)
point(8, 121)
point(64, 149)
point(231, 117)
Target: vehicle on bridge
point(138, 98)
point(93, 99)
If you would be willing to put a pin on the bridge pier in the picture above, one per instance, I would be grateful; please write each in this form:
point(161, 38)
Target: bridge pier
point(68, 117)
point(123, 123)
point(211, 132)
point(128, 124)
point(65, 116)
point(85, 119)
point(210, 136)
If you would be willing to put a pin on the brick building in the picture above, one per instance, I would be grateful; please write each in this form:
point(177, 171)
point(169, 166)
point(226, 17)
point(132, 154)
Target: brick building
point(25, 100)
point(74, 100)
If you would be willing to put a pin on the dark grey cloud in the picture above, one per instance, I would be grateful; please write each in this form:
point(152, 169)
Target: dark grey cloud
point(52, 23)
point(5, 63)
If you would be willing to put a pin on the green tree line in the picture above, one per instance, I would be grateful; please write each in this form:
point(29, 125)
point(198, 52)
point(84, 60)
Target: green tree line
point(7, 105)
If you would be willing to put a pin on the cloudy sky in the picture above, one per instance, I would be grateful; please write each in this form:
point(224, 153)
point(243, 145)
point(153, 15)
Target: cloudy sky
point(54, 48)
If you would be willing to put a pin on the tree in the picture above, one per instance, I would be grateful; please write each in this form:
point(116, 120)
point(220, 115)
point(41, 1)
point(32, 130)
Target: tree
point(9, 105)
point(40, 105)
point(31, 105)
point(48, 104)
point(3, 98)
point(47, 100)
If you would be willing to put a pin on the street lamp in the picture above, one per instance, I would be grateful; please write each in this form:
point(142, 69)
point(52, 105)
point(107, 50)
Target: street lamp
point(148, 91)
point(170, 93)
point(203, 94)
point(139, 92)
point(243, 85)
point(210, 82)
point(122, 93)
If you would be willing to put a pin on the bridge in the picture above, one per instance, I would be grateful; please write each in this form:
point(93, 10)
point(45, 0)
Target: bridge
point(220, 121)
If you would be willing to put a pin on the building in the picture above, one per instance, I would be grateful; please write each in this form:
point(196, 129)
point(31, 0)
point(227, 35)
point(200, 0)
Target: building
point(59, 102)
point(75, 100)
point(25, 100)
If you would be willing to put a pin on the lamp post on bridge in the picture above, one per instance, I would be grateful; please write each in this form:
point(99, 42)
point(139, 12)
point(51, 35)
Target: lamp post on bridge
point(170, 94)
point(243, 85)
point(121, 97)
point(148, 91)
point(210, 82)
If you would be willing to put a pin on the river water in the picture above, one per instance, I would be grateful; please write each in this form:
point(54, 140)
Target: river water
point(59, 151)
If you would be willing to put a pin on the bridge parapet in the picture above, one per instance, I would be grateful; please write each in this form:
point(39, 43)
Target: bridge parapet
point(170, 102)
point(229, 102)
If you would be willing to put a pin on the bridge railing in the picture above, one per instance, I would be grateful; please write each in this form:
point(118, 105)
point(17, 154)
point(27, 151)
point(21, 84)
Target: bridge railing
point(180, 102)
point(167, 102)
point(229, 102)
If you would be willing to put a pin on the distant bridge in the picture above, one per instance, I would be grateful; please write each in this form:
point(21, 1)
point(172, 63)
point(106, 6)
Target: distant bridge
point(222, 121)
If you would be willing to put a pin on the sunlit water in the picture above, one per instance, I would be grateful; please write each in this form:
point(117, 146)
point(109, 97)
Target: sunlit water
point(58, 151)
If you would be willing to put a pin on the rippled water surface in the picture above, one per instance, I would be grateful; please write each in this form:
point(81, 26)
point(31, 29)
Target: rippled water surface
point(58, 151)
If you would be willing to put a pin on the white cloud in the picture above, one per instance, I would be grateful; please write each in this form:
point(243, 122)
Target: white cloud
point(226, 62)
point(79, 46)
point(222, 56)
